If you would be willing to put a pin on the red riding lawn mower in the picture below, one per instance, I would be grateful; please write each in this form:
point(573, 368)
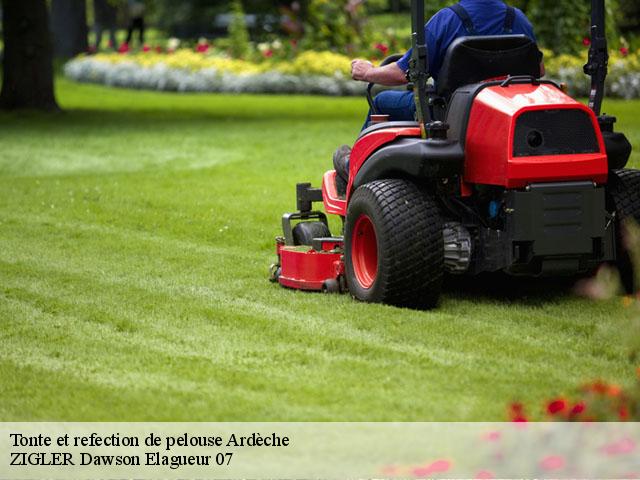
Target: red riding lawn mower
point(501, 172)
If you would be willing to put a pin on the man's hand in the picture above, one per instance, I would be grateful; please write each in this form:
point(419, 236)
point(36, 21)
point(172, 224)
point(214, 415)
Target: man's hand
point(359, 69)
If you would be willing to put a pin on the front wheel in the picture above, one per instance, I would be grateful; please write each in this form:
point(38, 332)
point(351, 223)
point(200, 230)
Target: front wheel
point(394, 247)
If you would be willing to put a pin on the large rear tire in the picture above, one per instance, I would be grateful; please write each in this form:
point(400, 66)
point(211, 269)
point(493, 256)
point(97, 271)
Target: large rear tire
point(394, 247)
point(624, 192)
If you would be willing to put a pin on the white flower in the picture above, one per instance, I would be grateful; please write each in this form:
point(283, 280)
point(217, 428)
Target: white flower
point(173, 43)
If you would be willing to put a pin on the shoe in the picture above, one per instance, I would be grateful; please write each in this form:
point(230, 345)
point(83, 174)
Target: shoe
point(341, 165)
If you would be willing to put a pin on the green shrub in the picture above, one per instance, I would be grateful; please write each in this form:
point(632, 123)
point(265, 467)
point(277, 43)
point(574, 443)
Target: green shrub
point(238, 32)
point(335, 25)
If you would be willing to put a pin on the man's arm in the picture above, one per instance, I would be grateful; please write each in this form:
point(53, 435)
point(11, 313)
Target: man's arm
point(390, 75)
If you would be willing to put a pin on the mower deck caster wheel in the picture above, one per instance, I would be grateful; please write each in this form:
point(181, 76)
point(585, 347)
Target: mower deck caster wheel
point(305, 232)
point(274, 273)
point(331, 286)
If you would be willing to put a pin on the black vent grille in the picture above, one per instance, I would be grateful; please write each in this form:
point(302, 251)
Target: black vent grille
point(554, 132)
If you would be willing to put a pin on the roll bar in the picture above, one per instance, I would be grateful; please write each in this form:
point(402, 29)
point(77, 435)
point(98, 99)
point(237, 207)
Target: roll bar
point(419, 63)
point(598, 65)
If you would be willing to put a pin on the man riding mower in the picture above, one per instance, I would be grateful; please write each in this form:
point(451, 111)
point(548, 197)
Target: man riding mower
point(500, 172)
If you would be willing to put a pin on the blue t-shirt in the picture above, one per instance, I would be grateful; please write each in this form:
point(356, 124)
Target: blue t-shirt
point(445, 26)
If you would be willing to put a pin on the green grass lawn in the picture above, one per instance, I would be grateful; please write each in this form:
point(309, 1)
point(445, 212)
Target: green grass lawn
point(136, 230)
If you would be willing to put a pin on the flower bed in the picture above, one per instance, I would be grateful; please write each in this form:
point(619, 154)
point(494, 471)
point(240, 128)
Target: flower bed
point(321, 73)
point(623, 80)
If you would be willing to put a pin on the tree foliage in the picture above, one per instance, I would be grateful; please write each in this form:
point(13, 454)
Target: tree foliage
point(335, 24)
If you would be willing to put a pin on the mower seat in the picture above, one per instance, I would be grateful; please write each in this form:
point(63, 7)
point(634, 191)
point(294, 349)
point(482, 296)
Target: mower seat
point(475, 59)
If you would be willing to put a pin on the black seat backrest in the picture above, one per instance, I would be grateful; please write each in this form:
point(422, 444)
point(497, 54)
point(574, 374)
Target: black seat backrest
point(474, 59)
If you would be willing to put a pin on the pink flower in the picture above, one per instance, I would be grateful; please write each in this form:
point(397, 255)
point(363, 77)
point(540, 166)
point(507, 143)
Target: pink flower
point(202, 48)
point(553, 462)
point(124, 48)
point(586, 41)
point(624, 51)
point(390, 471)
point(485, 475)
point(146, 48)
point(622, 447)
point(492, 436)
point(439, 466)
point(268, 53)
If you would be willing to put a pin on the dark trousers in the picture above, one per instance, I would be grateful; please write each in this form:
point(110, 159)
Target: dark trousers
point(100, 28)
point(399, 105)
point(136, 24)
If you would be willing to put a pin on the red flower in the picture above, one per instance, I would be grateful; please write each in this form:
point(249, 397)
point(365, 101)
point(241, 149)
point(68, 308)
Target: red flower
point(202, 48)
point(553, 462)
point(516, 413)
point(578, 409)
point(598, 387)
point(614, 391)
point(557, 406)
point(586, 41)
point(124, 48)
point(146, 48)
point(382, 48)
point(623, 413)
point(158, 49)
point(268, 53)
point(624, 51)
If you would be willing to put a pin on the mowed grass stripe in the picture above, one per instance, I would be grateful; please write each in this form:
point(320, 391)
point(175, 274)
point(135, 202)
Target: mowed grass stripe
point(408, 351)
point(135, 235)
point(226, 297)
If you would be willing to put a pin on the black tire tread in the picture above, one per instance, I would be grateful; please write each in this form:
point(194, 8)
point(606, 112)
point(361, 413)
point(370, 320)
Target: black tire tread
point(624, 191)
point(305, 232)
point(411, 269)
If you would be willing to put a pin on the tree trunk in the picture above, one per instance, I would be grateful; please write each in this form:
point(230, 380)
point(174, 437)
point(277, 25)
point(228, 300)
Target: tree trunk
point(27, 62)
point(69, 27)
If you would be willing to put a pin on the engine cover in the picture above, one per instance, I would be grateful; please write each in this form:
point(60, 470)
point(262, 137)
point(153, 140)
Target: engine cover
point(521, 134)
